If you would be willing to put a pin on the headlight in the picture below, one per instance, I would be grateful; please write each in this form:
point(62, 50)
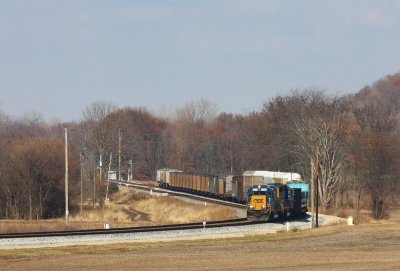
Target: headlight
point(251, 206)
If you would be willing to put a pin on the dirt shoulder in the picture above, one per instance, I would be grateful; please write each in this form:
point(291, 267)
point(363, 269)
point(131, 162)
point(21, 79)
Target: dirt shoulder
point(340, 247)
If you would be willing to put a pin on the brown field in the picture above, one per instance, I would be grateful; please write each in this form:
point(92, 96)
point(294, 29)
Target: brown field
point(342, 247)
point(372, 245)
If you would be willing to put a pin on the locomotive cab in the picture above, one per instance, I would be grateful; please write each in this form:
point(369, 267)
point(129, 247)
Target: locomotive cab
point(257, 202)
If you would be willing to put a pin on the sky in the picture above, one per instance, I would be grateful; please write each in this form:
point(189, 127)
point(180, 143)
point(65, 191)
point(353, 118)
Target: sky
point(59, 56)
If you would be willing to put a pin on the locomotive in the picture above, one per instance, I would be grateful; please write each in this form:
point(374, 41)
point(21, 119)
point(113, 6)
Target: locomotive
point(266, 194)
point(272, 201)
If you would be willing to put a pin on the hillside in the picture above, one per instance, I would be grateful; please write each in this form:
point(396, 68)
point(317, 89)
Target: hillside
point(385, 92)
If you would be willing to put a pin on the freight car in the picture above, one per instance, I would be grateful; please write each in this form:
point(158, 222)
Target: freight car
point(164, 177)
point(304, 187)
point(269, 177)
point(217, 186)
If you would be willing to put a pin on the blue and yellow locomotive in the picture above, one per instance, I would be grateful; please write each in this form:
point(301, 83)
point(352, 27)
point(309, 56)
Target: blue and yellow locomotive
point(269, 201)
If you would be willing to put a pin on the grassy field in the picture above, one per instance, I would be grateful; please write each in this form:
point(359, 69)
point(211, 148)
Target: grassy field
point(341, 247)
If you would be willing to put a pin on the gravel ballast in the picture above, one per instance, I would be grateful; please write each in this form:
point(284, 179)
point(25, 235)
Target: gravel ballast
point(205, 233)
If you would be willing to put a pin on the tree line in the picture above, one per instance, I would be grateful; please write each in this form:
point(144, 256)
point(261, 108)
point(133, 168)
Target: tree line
point(356, 135)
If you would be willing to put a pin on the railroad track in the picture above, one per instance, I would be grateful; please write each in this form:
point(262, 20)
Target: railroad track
point(159, 228)
point(189, 226)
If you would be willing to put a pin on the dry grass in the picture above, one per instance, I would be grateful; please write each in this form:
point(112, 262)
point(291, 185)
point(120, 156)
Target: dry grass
point(173, 211)
point(149, 183)
point(364, 216)
point(126, 209)
point(109, 214)
point(365, 247)
point(11, 226)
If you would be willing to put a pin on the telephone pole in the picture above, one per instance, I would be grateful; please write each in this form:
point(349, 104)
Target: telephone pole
point(66, 174)
point(81, 158)
point(316, 187)
point(94, 187)
point(312, 197)
point(131, 166)
point(108, 178)
point(119, 153)
point(101, 165)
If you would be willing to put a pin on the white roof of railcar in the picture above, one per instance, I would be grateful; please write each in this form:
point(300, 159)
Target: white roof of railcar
point(169, 170)
point(290, 176)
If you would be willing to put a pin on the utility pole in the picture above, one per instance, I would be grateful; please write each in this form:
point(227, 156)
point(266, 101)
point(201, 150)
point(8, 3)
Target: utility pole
point(119, 153)
point(312, 197)
point(101, 165)
point(131, 177)
point(316, 187)
point(81, 184)
point(108, 178)
point(66, 174)
point(94, 187)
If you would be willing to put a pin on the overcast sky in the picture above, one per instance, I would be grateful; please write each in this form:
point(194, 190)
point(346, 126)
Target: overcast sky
point(57, 57)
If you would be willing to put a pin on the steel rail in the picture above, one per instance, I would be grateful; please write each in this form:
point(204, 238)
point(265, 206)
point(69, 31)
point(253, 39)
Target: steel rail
point(188, 226)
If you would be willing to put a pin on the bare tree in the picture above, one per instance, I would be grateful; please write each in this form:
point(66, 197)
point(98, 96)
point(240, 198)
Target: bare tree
point(305, 121)
point(325, 128)
point(376, 155)
point(202, 110)
point(98, 133)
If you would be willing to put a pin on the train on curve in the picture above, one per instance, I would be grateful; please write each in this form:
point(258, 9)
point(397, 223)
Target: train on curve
point(267, 194)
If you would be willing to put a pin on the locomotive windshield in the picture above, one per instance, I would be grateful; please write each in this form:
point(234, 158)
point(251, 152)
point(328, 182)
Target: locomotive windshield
point(257, 190)
point(260, 192)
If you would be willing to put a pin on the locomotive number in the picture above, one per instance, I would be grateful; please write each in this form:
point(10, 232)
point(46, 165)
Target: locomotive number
point(258, 201)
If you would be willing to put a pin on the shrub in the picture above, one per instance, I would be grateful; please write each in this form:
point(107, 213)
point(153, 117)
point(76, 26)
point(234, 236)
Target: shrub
point(113, 188)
